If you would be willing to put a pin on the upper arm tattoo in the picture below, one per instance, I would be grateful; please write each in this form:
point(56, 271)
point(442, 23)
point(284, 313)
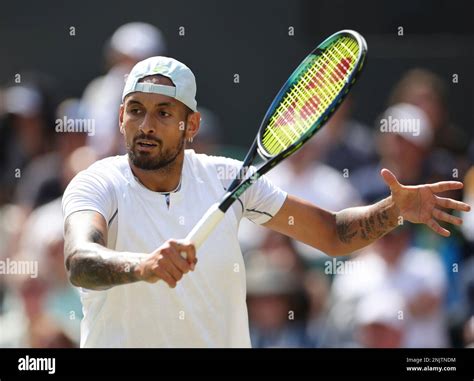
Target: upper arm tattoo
point(97, 236)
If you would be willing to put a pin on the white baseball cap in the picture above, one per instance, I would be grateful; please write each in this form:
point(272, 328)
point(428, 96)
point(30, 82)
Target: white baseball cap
point(138, 40)
point(413, 124)
point(184, 89)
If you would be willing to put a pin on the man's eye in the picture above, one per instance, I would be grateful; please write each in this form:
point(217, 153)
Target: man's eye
point(164, 113)
point(135, 111)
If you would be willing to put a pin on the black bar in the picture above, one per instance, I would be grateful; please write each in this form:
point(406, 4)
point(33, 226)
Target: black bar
point(312, 364)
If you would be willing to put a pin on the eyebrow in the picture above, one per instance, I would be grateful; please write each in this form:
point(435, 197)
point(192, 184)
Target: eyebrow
point(161, 104)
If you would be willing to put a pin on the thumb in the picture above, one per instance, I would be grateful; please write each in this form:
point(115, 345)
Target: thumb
point(390, 179)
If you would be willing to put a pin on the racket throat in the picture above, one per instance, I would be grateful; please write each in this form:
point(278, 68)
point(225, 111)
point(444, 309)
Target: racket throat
point(262, 154)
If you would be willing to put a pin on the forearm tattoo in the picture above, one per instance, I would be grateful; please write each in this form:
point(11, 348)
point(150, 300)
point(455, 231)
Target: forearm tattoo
point(93, 266)
point(365, 224)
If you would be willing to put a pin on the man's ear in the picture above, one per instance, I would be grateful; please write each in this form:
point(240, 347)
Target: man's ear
point(121, 110)
point(194, 122)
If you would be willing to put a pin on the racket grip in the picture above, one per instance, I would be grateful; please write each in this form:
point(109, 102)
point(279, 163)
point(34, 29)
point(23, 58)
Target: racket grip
point(204, 227)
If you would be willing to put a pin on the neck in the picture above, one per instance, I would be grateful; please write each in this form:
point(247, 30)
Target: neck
point(161, 180)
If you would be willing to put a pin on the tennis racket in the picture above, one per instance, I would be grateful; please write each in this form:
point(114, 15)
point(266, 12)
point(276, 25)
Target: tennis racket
point(303, 105)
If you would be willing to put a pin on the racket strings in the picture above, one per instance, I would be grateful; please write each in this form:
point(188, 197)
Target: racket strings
point(313, 92)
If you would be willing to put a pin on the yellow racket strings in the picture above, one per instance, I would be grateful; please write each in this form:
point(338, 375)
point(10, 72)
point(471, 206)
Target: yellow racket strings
point(311, 95)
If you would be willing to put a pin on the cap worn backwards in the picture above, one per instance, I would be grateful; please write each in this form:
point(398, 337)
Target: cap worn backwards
point(184, 89)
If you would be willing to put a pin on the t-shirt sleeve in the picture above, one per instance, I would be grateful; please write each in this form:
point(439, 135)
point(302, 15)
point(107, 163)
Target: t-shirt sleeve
point(261, 201)
point(89, 190)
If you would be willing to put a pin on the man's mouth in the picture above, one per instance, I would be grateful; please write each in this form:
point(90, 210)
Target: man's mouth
point(147, 144)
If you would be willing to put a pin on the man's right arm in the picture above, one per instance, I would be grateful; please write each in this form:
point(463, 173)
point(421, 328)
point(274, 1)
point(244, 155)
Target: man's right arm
point(92, 265)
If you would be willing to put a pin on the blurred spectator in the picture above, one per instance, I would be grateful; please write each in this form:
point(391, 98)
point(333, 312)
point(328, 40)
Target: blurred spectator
point(27, 324)
point(44, 227)
point(25, 132)
point(403, 150)
point(283, 253)
point(275, 320)
point(45, 332)
point(454, 251)
point(129, 44)
point(394, 265)
point(428, 91)
point(378, 320)
point(42, 179)
point(317, 289)
point(44, 310)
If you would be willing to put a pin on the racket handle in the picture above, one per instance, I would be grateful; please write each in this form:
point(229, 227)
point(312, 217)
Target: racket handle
point(204, 227)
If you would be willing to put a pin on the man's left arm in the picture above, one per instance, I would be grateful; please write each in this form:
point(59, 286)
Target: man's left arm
point(344, 232)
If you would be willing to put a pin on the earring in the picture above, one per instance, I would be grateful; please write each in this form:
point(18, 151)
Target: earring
point(190, 140)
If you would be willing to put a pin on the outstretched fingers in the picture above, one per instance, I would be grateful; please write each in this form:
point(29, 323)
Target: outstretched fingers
point(444, 186)
point(437, 228)
point(452, 204)
point(443, 216)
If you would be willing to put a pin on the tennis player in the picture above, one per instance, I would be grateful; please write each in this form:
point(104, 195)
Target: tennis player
point(125, 214)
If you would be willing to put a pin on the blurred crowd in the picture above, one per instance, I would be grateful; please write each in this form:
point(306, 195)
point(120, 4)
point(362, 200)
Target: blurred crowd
point(412, 288)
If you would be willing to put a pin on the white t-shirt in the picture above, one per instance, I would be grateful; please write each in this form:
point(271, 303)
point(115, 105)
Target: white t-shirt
point(207, 308)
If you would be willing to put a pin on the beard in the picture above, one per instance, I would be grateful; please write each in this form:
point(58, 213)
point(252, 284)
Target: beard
point(148, 161)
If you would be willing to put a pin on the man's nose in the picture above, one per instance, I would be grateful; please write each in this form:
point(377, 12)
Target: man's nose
point(148, 125)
